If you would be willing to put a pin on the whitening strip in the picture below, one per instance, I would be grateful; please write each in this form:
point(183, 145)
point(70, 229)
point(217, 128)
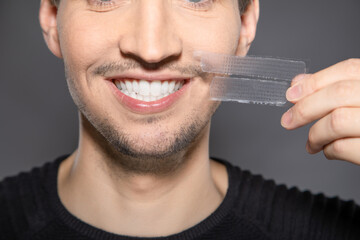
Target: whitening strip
point(260, 80)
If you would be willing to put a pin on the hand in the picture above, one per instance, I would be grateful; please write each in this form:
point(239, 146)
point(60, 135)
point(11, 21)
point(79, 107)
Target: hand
point(331, 96)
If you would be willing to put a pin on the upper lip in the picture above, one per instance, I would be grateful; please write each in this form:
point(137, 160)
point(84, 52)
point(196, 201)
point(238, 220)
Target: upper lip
point(150, 76)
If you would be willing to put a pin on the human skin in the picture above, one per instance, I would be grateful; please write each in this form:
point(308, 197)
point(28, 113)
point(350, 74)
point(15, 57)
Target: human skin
point(149, 184)
point(331, 98)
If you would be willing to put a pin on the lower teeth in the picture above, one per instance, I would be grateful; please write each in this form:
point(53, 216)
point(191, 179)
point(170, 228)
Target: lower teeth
point(144, 98)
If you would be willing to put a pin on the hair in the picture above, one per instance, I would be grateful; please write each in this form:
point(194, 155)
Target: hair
point(242, 4)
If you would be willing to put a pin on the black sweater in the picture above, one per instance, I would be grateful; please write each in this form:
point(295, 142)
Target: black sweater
point(253, 208)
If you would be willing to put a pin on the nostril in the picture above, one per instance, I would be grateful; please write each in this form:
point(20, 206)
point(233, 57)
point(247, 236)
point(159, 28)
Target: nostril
point(152, 55)
point(150, 48)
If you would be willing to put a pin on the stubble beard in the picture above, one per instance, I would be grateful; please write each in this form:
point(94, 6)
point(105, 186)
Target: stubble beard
point(160, 156)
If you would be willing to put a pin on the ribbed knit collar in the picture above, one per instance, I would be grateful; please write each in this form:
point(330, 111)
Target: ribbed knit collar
point(92, 232)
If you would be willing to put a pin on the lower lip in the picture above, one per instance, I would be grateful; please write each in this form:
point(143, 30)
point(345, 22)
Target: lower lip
point(143, 107)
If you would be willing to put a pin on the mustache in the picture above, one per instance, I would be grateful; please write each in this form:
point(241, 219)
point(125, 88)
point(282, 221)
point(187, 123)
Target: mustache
point(119, 67)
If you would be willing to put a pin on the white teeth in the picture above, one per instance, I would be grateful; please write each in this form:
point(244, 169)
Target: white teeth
point(118, 85)
point(128, 86)
point(148, 91)
point(133, 95)
point(144, 88)
point(135, 85)
point(171, 86)
point(164, 87)
point(155, 88)
point(123, 86)
point(177, 85)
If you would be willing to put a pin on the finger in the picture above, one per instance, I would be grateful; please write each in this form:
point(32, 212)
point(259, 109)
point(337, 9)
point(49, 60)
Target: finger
point(321, 103)
point(347, 149)
point(299, 78)
point(306, 84)
point(340, 123)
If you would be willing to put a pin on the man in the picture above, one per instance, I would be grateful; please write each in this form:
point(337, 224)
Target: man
point(142, 167)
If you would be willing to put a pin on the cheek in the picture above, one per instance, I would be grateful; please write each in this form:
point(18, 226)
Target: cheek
point(219, 34)
point(84, 41)
point(213, 40)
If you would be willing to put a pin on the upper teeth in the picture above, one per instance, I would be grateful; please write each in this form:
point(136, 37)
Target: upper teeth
point(148, 91)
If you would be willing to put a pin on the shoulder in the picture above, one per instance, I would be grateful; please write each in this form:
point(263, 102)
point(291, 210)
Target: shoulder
point(290, 213)
point(23, 201)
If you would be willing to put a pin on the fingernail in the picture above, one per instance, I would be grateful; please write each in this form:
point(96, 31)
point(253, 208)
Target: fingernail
point(287, 118)
point(294, 92)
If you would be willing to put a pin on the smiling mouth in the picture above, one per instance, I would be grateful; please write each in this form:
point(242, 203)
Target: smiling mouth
point(148, 91)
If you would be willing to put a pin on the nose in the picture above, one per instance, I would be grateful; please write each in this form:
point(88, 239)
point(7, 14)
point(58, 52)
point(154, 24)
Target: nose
point(151, 37)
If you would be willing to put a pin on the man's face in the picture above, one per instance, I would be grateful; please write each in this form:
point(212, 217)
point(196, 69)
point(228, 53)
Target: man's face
point(144, 45)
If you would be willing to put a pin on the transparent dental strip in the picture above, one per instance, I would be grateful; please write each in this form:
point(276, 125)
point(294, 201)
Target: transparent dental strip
point(260, 80)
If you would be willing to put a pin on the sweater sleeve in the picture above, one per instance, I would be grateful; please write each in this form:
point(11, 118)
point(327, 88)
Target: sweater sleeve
point(288, 213)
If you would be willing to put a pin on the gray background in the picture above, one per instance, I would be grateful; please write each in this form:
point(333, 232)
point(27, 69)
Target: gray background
point(38, 120)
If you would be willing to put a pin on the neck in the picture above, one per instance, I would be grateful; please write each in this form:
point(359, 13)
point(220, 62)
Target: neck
point(147, 205)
